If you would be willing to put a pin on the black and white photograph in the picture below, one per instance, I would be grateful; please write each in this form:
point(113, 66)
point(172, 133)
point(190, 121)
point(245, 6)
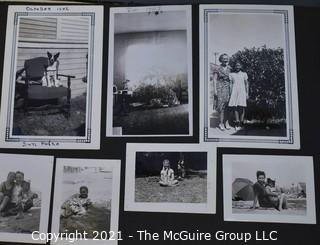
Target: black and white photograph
point(24, 197)
point(248, 76)
point(170, 178)
point(52, 75)
point(86, 199)
point(261, 188)
point(150, 72)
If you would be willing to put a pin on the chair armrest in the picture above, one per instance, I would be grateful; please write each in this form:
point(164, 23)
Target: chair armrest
point(69, 79)
point(19, 73)
point(68, 76)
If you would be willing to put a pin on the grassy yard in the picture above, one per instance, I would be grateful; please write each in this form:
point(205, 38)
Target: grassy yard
point(96, 219)
point(172, 120)
point(190, 190)
point(42, 123)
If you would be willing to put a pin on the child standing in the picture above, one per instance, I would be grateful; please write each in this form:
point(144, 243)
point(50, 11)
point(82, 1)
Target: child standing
point(239, 94)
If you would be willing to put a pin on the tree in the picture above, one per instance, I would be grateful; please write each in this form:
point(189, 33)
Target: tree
point(265, 69)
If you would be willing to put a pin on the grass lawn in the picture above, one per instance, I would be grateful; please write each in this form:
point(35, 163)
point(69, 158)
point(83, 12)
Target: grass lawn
point(172, 120)
point(96, 219)
point(39, 123)
point(190, 190)
point(28, 224)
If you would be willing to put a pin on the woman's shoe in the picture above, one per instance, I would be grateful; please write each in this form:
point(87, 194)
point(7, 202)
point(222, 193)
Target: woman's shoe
point(221, 127)
point(237, 126)
point(227, 127)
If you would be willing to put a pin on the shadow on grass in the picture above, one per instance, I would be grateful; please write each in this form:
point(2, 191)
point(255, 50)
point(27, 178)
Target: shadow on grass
point(172, 120)
point(190, 190)
point(52, 123)
point(261, 129)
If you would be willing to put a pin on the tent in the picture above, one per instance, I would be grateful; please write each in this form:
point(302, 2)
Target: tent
point(242, 189)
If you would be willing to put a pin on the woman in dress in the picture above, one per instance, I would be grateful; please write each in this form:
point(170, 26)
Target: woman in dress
point(239, 94)
point(222, 90)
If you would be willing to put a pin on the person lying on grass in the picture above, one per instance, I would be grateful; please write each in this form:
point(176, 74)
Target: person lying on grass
point(77, 205)
point(167, 175)
point(264, 195)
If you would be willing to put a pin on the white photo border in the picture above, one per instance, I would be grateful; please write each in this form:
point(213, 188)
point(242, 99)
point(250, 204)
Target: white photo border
point(115, 10)
point(307, 162)
point(132, 205)
point(292, 139)
point(46, 165)
point(110, 164)
point(91, 140)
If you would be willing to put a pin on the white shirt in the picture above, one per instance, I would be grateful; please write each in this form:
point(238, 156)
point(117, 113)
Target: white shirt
point(16, 193)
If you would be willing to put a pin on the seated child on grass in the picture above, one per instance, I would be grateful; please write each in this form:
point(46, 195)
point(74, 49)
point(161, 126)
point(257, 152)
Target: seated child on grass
point(167, 175)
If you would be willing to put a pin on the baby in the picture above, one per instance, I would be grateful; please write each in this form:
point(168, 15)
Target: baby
point(25, 199)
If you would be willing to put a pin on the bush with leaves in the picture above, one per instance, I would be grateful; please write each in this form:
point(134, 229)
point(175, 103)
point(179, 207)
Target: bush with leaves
point(165, 91)
point(265, 69)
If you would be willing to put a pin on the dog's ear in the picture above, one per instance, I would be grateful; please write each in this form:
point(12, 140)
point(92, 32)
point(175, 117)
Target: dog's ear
point(56, 56)
point(49, 54)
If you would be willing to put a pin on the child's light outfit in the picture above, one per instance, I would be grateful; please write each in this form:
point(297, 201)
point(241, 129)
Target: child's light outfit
point(167, 177)
point(238, 94)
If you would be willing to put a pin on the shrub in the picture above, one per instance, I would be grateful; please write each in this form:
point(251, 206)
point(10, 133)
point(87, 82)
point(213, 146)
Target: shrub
point(155, 94)
point(265, 69)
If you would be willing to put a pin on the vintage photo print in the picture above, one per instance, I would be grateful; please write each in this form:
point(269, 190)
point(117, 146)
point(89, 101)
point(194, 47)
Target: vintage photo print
point(24, 197)
point(170, 178)
point(264, 188)
point(150, 72)
point(51, 91)
point(86, 201)
point(248, 81)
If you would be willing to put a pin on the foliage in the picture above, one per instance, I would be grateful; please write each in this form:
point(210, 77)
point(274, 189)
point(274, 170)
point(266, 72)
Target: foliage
point(265, 69)
point(162, 89)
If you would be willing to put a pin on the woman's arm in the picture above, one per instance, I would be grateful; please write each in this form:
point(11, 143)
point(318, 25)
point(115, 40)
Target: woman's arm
point(231, 83)
point(270, 193)
point(214, 79)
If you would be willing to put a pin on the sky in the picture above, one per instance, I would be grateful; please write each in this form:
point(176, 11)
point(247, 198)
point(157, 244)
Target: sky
point(229, 33)
point(164, 58)
point(99, 184)
point(27, 165)
point(285, 170)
